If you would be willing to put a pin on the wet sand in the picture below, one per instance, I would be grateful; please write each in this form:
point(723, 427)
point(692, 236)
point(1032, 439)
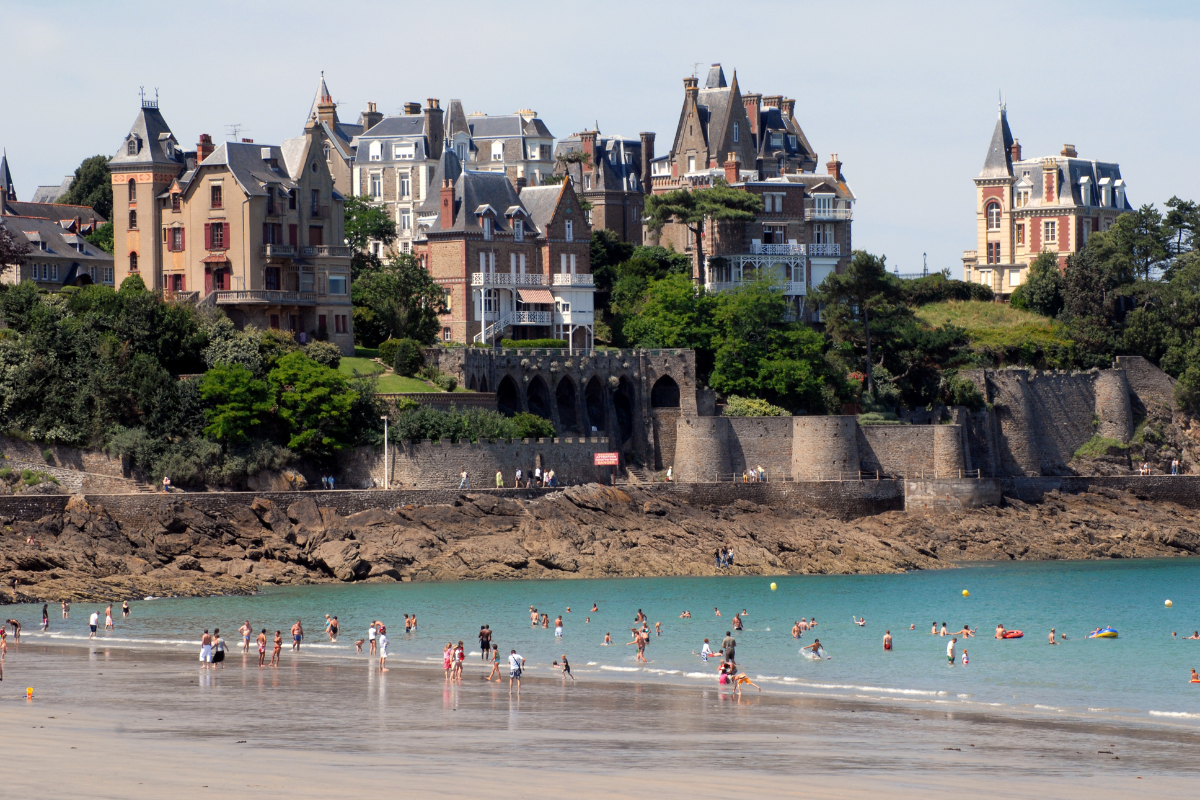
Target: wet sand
point(124, 723)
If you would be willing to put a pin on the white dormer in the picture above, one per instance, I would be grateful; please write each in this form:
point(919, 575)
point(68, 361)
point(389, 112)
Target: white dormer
point(1085, 190)
point(1118, 193)
point(498, 150)
point(375, 152)
point(1106, 192)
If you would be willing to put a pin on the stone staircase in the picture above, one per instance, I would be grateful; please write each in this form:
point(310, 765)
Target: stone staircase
point(639, 475)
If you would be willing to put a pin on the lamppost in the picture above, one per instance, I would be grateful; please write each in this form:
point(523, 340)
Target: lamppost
point(386, 484)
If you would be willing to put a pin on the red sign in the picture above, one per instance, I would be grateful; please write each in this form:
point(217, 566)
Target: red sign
point(608, 459)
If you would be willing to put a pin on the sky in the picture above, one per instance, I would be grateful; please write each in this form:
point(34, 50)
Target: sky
point(905, 93)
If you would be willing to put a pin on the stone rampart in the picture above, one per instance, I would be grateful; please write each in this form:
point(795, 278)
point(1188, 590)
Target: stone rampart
point(665, 424)
point(96, 462)
point(844, 499)
point(951, 493)
point(1063, 415)
point(1113, 409)
point(824, 446)
point(701, 453)
point(897, 449)
point(1148, 385)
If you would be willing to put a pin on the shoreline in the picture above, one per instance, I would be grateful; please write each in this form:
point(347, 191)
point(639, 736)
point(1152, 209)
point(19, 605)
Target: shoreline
point(139, 724)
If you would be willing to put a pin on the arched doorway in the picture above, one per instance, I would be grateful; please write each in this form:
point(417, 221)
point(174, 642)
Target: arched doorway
point(508, 401)
point(538, 397)
point(593, 398)
point(471, 385)
point(483, 384)
point(564, 398)
point(624, 405)
point(665, 393)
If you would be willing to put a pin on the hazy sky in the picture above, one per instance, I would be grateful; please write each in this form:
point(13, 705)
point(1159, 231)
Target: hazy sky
point(905, 93)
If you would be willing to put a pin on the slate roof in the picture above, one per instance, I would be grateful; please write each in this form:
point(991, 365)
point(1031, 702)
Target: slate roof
point(59, 241)
point(476, 190)
point(401, 125)
point(998, 163)
point(541, 202)
point(457, 120)
point(1070, 170)
point(245, 162)
point(716, 77)
point(7, 190)
point(53, 211)
point(48, 194)
point(448, 168)
point(156, 144)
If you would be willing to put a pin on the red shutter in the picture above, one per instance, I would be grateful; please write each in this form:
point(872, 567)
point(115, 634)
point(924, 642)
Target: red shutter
point(208, 236)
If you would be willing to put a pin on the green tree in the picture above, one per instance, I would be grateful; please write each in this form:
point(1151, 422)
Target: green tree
point(851, 297)
point(1041, 292)
point(314, 405)
point(92, 187)
point(239, 403)
point(695, 209)
point(102, 237)
point(1140, 239)
point(366, 223)
point(1180, 225)
point(403, 298)
point(674, 312)
point(607, 252)
point(12, 250)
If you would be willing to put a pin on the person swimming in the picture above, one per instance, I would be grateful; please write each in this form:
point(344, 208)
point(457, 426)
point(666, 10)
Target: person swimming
point(860, 622)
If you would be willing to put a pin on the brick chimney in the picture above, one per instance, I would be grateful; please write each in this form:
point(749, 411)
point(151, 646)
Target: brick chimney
point(691, 88)
point(369, 118)
point(647, 157)
point(1015, 150)
point(204, 148)
point(435, 127)
point(412, 109)
point(1050, 179)
point(834, 167)
point(788, 107)
point(587, 141)
point(750, 101)
point(520, 182)
point(733, 169)
point(1069, 151)
point(447, 211)
point(773, 101)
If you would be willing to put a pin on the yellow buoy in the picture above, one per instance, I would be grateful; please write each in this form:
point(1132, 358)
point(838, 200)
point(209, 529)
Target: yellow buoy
point(29, 692)
point(1169, 604)
point(772, 587)
point(966, 593)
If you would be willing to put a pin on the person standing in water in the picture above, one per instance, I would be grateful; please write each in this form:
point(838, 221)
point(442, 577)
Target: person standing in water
point(1052, 637)
point(887, 641)
point(558, 627)
point(108, 623)
point(383, 643)
point(246, 631)
point(515, 664)
point(262, 648)
point(495, 665)
point(297, 635)
point(566, 669)
point(124, 608)
point(278, 644)
point(950, 650)
point(66, 608)
point(45, 617)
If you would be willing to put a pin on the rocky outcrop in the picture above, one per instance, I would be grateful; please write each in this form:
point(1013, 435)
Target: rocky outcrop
point(583, 531)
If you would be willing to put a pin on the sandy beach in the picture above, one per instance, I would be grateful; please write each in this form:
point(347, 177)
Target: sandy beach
point(132, 723)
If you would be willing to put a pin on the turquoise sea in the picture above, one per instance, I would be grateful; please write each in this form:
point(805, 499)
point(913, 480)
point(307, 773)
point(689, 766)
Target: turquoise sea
point(1141, 675)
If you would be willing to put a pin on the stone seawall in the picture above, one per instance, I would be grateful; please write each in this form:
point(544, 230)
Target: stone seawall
point(843, 499)
point(70, 458)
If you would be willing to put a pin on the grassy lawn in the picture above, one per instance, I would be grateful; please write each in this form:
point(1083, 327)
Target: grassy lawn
point(365, 352)
point(397, 383)
point(996, 326)
point(363, 366)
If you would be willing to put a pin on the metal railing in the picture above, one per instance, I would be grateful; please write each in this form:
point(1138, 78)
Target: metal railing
point(573, 280)
point(326, 251)
point(760, 249)
point(278, 251)
point(825, 249)
point(507, 279)
point(265, 296)
point(859, 476)
point(531, 318)
point(319, 211)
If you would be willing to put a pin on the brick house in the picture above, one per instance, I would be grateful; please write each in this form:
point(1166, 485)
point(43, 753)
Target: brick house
point(1024, 207)
point(513, 261)
point(614, 179)
point(755, 144)
point(256, 230)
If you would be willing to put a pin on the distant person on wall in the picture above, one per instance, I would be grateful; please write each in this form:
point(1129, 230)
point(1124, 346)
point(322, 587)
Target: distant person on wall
point(463, 483)
point(499, 479)
point(1174, 466)
point(537, 476)
point(670, 474)
point(166, 484)
point(517, 478)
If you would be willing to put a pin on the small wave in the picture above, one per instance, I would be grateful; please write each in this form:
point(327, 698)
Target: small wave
point(766, 677)
point(790, 679)
point(620, 669)
point(1182, 714)
point(962, 695)
point(922, 692)
point(664, 671)
point(1048, 708)
point(698, 675)
point(591, 663)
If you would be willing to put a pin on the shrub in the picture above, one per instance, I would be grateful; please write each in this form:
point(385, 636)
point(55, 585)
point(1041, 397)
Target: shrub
point(879, 418)
point(447, 383)
point(531, 344)
point(324, 353)
point(531, 426)
point(737, 406)
point(1099, 446)
point(387, 351)
point(5, 473)
point(409, 358)
point(48, 455)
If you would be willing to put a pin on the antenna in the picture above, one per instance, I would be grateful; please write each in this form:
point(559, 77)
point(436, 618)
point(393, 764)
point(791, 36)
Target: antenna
point(696, 69)
point(233, 130)
point(142, 93)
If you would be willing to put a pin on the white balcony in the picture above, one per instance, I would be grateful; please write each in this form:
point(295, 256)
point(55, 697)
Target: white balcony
point(278, 251)
point(531, 318)
point(760, 249)
point(816, 250)
point(265, 297)
point(326, 251)
point(507, 279)
point(573, 280)
point(828, 213)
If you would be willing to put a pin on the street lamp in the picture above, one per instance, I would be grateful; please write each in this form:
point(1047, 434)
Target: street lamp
point(386, 485)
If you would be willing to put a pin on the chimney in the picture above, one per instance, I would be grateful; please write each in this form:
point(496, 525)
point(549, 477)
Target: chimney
point(647, 157)
point(447, 216)
point(690, 88)
point(369, 118)
point(411, 109)
point(834, 167)
point(588, 141)
point(1015, 150)
point(435, 129)
point(204, 148)
point(773, 101)
point(750, 101)
point(1050, 179)
point(733, 169)
point(327, 110)
point(789, 107)
point(520, 182)
point(1069, 151)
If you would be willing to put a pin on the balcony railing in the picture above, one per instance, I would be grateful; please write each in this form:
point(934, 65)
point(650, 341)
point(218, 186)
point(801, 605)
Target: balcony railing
point(319, 211)
point(265, 297)
point(829, 213)
point(531, 318)
point(825, 249)
point(507, 279)
point(278, 251)
point(760, 249)
point(326, 251)
point(573, 280)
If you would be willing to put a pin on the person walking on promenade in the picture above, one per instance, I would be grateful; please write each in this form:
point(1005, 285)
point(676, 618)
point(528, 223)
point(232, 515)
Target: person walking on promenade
point(463, 483)
point(499, 479)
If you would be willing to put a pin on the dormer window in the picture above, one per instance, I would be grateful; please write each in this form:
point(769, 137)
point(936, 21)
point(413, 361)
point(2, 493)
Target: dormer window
point(132, 147)
point(328, 153)
point(487, 228)
point(176, 203)
point(1085, 191)
point(375, 152)
point(404, 151)
point(736, 132)
point(498, 151)
point(518, 230)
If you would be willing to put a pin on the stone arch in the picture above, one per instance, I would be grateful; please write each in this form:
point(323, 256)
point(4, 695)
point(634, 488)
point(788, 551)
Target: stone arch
point(483, 383)
point(508, 399)
point(665, 393)
point(537, 397)
point(625, 405)
point(472, 386)
point(565, 398)
point(594, 405)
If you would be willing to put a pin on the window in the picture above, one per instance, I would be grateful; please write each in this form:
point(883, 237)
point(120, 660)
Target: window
point(274, 322)
point(993, 216)
point(270, 201)
point(272, 233)
point(497, 151)
point(328, 153)
point(445, 334)
point(773, 203)
point(823, 203)
point(487, 228)
point(587, 182)
point(214, 196)
point(133, 262)
point(562, 263)
point(460, 150)
point(337, 284)
point(176, 242)
point(132, 190)
point(518, 230)
point(293, 235)
point(736, 131)
point(132, 147)
point(774, 234)
point(1022, 198)
point(405, 221)
point(322, 325)
point(271, 278)
point(315, 197)
point(1014, 278)
point(175, 201)
point(545, 152)
point(292, 199)
point(405, 186)
point(570, 230)
point(1050, 231)
point(534, 152)
point(691, 164)
point(993, 252)
point(447, 301)
point(376, 185)
point(132, 219)
point(376, 151)
point(214, 236)
point(483, 262)
point(54, 272)
point(316, 236)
